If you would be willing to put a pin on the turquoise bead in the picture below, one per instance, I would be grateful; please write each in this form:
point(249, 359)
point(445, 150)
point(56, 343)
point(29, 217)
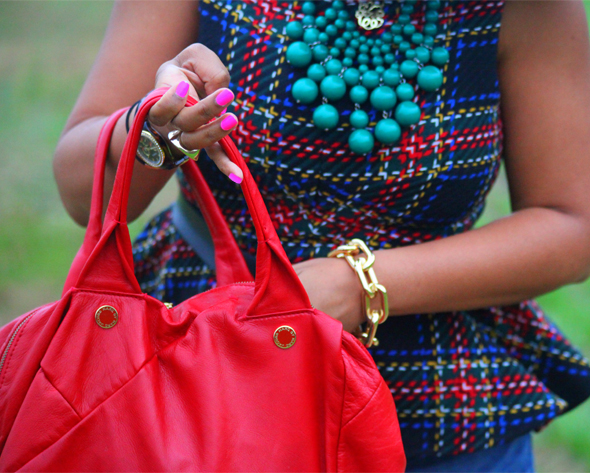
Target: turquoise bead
point(385, 48)
point(363, 39)
point(340, 43)
point(321, 22)
point(410, 54)
point(398, 39)
point(325, 117)
point(308, 8)
point(430, 78)
point(378, 42)
point(333, 87)
point(351, 76)
point(389, 58)
point(422, 54)
point(370, 79)
point(359, 94)
point(407, 113)
point(387, 37)
point(334, 66)
point(431, 16)
point(334, 52)
point(299, 54)
point(359, 119)
point(311, 35)
point(408, 9)
point(429, 29)
point(294, 29)
point(380, 70)
point(388, 131)
point(316, 72)
point(391, 77)
point(308, 20)
point(383, 98)
point(404, 46)
point(404, 92)
point(332, 30)
point(417, 38)
point(349, 52)
point(364, 48)
point(338, 4)
point(375, 51)
point(395, 66)
point(347, 62)
point(343, 15)
point(305, 90)
point(330, 13)
point(324, 38)
point(409, 29)
point(340, 23)
point(363, 58)
point(396, 28)
point(361, 141)
point(409, 69)
point(439, 56)
point(351, 26)
point(377, 61)
point(320, 52)
point(355, 43)
point(347, 35)
point(428, 41)
point(370, 41)
point(433, 5)
point(403, 19)
point(363, 68)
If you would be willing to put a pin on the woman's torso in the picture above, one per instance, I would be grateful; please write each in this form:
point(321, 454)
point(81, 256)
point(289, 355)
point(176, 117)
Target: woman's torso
point(462, 381)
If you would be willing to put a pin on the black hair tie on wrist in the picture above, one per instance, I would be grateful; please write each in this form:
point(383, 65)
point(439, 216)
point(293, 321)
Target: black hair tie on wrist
point(134, 106)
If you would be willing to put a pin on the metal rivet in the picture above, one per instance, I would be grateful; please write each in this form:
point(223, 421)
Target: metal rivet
point(284, 337)
point(106, 316)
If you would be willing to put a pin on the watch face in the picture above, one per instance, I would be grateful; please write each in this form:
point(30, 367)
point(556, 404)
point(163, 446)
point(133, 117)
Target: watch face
point(149, 150)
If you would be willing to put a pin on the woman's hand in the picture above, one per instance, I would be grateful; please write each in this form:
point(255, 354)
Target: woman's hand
point(197, 71)
point(334, 288)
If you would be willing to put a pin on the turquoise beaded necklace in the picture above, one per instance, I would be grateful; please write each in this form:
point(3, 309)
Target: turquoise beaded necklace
point(340, 56)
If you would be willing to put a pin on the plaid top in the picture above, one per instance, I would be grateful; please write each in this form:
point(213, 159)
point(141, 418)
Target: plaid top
point(462, 381)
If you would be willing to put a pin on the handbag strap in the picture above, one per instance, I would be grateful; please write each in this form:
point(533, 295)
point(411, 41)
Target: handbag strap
point(110, 264)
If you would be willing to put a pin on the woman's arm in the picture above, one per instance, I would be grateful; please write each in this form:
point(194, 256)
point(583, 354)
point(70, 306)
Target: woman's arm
point(544, 72)
point(146, 42)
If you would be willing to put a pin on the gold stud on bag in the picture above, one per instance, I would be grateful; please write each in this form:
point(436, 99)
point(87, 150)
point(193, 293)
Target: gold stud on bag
point(364, 267)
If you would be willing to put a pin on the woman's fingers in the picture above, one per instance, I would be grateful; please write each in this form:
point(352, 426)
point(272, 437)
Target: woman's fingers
point(191, 118)
point(172, 102)
point(225, 165)
point(210, 133)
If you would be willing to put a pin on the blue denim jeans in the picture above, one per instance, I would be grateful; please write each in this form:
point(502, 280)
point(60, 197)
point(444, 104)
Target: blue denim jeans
point(513, 457)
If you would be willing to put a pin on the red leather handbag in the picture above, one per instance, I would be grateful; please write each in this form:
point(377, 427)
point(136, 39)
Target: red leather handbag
point(247, 376)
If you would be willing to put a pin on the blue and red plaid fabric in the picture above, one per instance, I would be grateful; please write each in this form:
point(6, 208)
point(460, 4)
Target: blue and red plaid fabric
point(462, 381)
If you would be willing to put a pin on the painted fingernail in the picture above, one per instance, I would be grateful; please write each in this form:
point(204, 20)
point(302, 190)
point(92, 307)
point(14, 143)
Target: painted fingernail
point(224, 97)
point(229, 122)
point(182, 89)
point(223, 112)
point(235, 178)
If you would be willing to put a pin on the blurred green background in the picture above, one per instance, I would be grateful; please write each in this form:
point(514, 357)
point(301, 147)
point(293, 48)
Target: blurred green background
point(46, 51)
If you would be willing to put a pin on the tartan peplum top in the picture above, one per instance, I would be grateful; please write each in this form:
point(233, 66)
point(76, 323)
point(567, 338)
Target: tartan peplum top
point(462, 381)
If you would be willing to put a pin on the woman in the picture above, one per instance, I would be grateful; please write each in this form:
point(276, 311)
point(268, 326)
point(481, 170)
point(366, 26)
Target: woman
point(472, 362)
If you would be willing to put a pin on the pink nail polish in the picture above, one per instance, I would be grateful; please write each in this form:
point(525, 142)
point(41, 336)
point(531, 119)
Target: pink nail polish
point(182, 89)
point(229, 122)
point(235, 178)
point(223, 111)
point(224, 97)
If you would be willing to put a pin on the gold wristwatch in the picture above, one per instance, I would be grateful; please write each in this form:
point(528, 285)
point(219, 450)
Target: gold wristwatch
point(154, 151)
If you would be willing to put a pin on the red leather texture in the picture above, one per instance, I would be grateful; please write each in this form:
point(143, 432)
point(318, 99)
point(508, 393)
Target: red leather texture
point(201, 386)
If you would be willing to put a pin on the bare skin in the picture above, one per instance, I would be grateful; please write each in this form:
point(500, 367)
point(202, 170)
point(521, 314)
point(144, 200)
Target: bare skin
point(544, 72)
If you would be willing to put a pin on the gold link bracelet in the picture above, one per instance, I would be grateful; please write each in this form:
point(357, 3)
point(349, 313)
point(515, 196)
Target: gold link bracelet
point(363, 267)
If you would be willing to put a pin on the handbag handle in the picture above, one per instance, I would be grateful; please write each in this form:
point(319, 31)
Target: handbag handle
point(110, 264)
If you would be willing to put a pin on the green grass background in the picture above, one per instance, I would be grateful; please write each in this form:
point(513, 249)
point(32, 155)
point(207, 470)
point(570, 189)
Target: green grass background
point(46, 51)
